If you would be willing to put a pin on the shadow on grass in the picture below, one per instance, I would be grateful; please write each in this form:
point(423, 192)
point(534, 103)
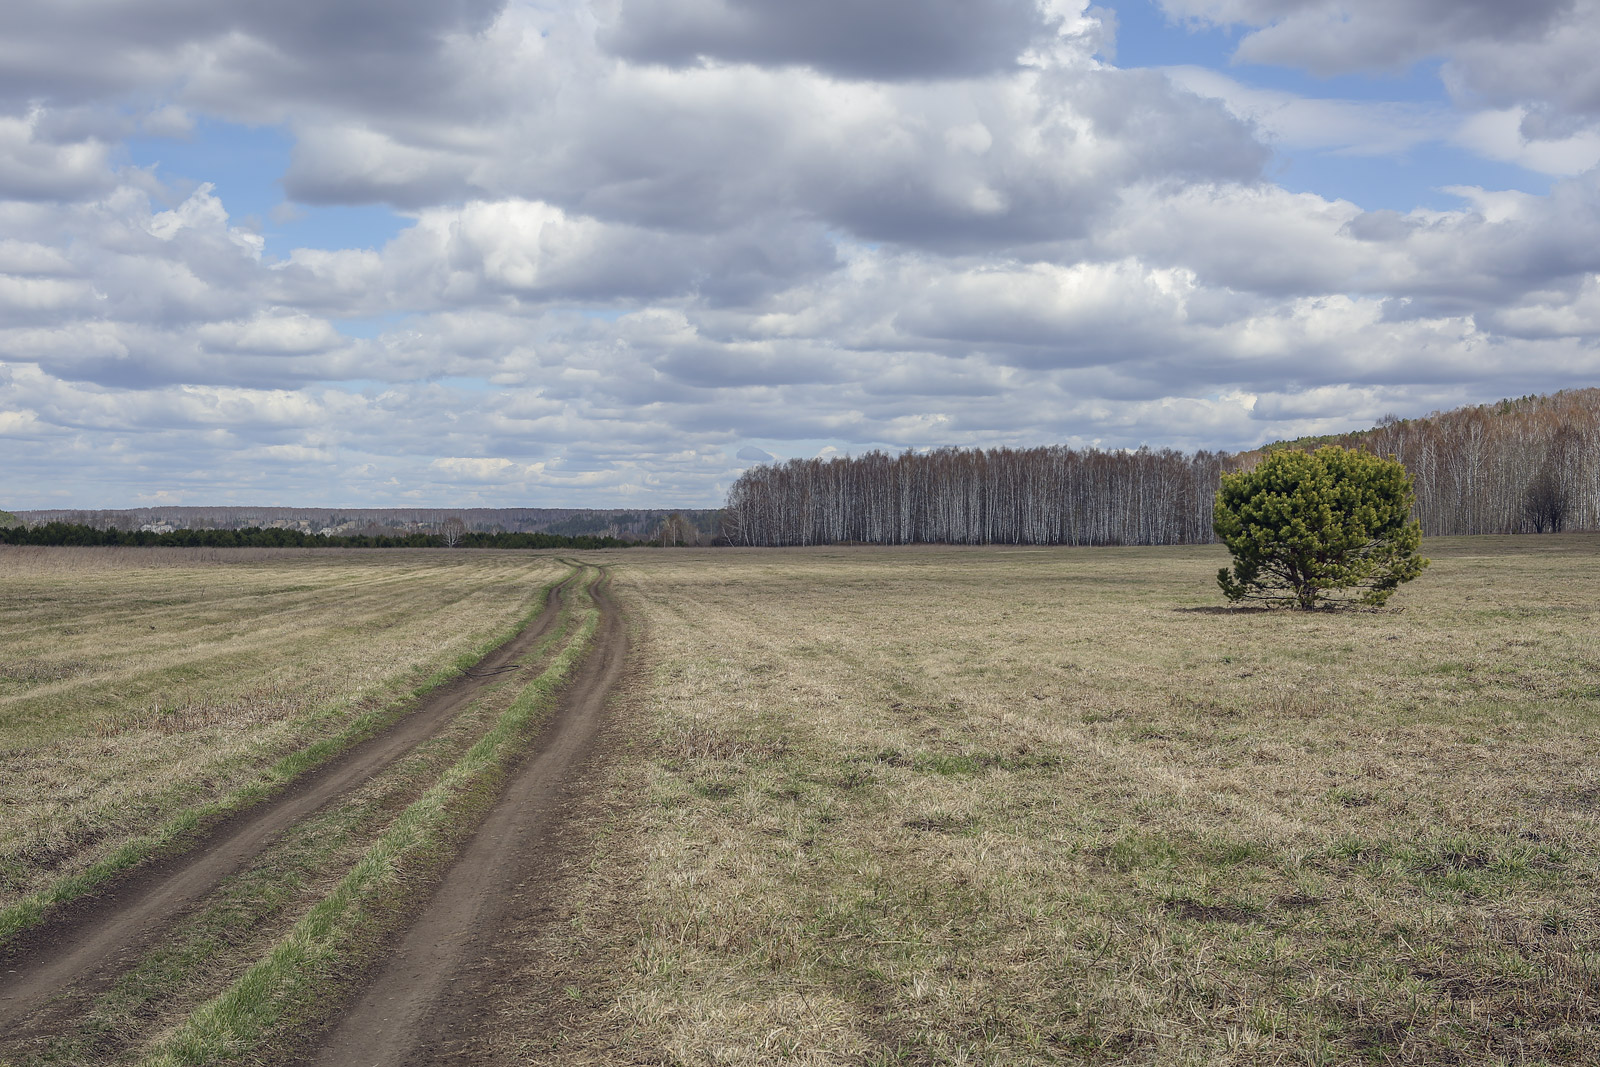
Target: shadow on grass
point(1241, 609)
point(1262, 609)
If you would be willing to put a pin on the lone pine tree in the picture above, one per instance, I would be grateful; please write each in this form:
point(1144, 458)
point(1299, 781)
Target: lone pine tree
point(1304, 525)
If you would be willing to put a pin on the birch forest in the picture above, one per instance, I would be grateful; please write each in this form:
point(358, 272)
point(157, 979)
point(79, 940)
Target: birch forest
point(1527, 465)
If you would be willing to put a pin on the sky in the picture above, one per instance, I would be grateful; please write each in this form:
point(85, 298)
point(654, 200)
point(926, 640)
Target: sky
point(610, 253)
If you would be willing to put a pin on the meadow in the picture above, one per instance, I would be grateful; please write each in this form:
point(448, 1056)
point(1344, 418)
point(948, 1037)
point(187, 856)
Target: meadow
point(862, 805)
point(939, 805)
point(138, 683)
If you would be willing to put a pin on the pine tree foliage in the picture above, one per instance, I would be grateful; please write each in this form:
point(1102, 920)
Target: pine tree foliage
point(1309, 528)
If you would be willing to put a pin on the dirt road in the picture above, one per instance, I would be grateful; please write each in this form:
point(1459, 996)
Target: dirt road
point(423, 1000)
point(83, 949)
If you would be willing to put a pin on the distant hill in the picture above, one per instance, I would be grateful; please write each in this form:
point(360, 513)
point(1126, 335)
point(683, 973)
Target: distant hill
point(625, 524)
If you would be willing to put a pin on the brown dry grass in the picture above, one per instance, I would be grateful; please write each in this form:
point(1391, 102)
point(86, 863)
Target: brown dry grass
point(136, 681)
point(1037, 805)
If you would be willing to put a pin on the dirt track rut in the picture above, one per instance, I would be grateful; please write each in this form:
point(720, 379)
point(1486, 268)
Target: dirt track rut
point(89, 943)
point(423, 1000)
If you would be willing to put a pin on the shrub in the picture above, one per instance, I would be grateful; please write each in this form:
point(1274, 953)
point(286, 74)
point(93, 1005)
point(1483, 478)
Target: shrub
point(1302, 525)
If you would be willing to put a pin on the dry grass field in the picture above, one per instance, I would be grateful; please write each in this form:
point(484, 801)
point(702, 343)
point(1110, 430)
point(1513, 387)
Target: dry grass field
point(1058, 805)
point(864, 806)
point(137, 682)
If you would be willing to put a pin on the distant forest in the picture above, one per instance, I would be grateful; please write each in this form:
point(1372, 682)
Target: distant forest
point(389, 526)
point(78, 534)
point(1526, 465)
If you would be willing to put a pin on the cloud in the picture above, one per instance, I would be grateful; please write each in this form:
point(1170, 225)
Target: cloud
point(350, 163)
point(1503, 135)
point(1532, 60)
point(1048, 315)
point(1031, 152)
point(1350, 127)
point(32, 167)
point(638, 237)
point(885, 40)
point(1272, 242)
point(273, 332)
point(1337, 36)
point(239, 58)
point(1552, 72)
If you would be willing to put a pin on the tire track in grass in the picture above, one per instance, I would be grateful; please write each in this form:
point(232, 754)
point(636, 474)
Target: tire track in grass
point(65, 938)
point(425, 1002)
point(284, 989)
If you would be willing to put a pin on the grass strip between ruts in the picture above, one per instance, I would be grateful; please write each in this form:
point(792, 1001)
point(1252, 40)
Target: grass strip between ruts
point(171, 835)
point(231, 1022)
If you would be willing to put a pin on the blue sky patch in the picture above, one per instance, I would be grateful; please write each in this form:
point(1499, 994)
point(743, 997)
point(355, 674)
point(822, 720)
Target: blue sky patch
point(245, 165)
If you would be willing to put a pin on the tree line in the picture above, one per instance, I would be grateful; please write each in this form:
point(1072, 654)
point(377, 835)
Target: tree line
point(1525, 465)
point(640, 524)
point(1036, 496)
point(1529, 465)
point(64, 533)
